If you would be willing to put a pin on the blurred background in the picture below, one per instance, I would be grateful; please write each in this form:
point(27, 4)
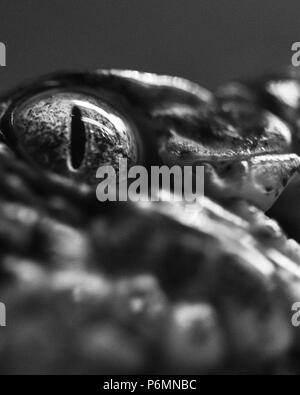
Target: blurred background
point(208, 41)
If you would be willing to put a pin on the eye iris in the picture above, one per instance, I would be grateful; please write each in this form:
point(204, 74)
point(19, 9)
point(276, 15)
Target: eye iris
point(73, 134)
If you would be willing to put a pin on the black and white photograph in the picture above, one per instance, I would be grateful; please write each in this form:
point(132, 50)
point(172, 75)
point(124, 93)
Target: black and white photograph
point(149, 190)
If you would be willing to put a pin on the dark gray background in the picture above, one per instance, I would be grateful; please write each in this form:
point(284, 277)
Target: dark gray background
point(205, 40)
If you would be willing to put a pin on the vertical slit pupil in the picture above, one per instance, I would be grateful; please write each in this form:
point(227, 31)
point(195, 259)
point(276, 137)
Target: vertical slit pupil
point(78, 138)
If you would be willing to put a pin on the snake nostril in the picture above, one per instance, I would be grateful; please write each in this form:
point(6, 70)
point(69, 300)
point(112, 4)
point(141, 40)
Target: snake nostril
point(77, 139)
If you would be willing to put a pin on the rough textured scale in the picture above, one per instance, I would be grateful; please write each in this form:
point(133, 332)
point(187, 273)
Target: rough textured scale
point(144, 287)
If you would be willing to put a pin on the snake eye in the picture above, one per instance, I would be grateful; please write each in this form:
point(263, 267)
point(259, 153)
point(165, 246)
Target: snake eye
point(74, 133)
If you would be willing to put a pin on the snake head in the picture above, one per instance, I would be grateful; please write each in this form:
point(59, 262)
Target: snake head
point(72, 123)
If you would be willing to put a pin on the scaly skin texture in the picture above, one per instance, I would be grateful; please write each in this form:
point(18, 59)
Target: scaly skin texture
point(278, 93)
point(159, 287)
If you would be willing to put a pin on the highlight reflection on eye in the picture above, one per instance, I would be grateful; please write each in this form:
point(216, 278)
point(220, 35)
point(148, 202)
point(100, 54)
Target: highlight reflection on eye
point(73, 133)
